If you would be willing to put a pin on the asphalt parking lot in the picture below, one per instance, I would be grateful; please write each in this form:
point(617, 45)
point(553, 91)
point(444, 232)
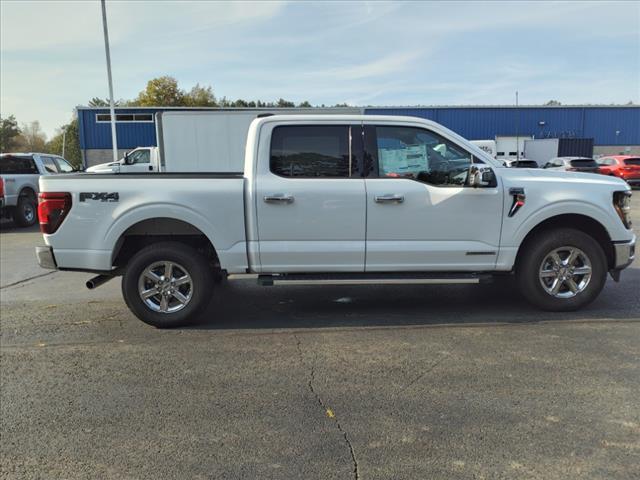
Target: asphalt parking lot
point(302, 382)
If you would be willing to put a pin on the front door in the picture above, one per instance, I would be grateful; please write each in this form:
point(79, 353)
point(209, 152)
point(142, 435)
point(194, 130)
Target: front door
point(421, 213)
point(140, 161)
point(310, 199)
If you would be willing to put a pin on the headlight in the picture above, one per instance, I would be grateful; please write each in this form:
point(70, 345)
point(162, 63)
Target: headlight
point(622, 204)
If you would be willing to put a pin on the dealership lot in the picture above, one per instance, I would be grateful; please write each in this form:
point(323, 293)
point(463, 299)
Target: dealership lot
point(304, 382)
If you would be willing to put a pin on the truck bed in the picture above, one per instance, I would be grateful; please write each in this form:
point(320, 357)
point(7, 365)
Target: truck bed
point(105, 206)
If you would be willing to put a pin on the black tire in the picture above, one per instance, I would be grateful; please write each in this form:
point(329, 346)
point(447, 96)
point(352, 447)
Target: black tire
point(26, 212)
point(184, 258)
point(536, 250)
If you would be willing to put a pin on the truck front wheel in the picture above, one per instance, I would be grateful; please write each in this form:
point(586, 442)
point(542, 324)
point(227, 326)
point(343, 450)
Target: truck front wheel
point(561, 270)
point(167, 284)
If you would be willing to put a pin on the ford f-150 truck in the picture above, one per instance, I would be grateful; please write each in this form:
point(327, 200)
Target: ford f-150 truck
point(19, 173)
point(339, 199)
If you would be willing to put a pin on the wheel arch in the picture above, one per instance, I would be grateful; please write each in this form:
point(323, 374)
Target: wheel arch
point(583, 223)
point(162, 229)
point(28, 190)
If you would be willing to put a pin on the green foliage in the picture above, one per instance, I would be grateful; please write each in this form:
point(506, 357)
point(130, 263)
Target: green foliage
point(9, 134)
point(161, 92)
point(200, 97)
point(552, 103)
point(72, 143)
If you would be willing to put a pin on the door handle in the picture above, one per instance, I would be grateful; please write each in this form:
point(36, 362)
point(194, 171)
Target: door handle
point(388, 198)
point(278, 198)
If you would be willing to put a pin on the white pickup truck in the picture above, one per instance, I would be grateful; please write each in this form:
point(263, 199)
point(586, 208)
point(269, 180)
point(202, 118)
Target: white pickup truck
point(19, 174)
point(343, 199)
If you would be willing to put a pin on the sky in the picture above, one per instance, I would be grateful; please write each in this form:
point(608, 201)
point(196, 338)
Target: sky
point(363, 53)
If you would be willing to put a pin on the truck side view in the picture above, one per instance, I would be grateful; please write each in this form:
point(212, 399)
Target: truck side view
point(339, 199)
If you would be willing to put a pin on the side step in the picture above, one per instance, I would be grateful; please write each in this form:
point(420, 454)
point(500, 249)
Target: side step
point(377, 278)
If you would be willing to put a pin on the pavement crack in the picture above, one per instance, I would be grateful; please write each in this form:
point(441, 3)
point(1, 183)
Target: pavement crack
point(27, 279)
point(424, 373)
point(325, 409)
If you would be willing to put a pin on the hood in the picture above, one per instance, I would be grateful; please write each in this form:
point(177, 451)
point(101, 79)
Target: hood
point(105, 167)
point(559, 176)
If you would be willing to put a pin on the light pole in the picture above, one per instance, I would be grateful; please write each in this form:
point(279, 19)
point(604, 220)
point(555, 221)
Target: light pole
point(114, 140)
point(64, 140)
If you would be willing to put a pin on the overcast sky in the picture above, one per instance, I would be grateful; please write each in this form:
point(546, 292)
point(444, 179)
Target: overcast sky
point(363, 53)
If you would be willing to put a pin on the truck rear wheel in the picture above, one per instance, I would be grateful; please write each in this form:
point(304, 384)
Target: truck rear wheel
point(167, 284)
point(26, 212)
point(561, 270)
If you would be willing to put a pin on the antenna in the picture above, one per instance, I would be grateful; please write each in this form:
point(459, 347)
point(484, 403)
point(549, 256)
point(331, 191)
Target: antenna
point(517, 132)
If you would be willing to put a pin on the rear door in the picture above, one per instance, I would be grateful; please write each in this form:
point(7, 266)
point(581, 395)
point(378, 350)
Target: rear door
point(421, 214)
point(310, 198)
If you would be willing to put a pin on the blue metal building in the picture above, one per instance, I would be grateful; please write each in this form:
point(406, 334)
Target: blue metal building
point(612, 127)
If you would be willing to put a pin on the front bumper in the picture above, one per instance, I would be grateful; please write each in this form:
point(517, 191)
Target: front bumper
point(624, 253)
point(45, 257)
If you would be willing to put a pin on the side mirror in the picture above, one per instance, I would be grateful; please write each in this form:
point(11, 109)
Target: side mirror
point(127, 159)
point(482, 177)
point(547, 165)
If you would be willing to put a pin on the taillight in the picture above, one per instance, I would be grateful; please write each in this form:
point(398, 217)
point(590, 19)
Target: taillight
point(1, 187)
point(53, 207)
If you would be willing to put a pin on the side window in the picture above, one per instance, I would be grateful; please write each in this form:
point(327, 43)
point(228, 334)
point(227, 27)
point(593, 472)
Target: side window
point(140, 156)
point(421, 155)
point(306, 151)
point(64, 166)
point(49, 165)
point(14, 164)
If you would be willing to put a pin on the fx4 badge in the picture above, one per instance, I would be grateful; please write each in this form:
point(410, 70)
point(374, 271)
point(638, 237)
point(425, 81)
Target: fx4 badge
point(102, 196)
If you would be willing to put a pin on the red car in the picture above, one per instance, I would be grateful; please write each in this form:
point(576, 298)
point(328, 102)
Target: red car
point(626, 167)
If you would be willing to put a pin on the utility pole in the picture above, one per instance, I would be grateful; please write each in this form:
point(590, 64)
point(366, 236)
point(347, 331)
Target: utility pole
point(114, 140)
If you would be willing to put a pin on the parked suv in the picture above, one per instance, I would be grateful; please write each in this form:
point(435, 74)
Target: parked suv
point(626, 167)
point(573, 164)
point(19, 174)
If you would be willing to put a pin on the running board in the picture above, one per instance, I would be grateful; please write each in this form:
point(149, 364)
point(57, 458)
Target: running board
point(427, 278)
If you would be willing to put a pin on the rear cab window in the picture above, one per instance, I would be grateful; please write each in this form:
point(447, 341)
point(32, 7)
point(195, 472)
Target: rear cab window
point(583, 162)
point(312, 151)
point(17, 165)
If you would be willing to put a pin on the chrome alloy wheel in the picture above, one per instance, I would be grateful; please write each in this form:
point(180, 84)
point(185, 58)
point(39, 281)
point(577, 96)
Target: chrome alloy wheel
point(565, 272)
point(165, 287)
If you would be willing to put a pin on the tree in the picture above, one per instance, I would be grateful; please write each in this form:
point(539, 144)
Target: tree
point(305, 104)
point(282, 103)
point(32, 138)
point(200, 97)
point(161, 92)
point(104, 102)
point(552, 103)
point(72, 143)
point(9, 134)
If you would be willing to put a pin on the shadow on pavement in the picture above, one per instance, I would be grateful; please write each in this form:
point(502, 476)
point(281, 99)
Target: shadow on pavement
point(239, 305)
point(8, 226)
